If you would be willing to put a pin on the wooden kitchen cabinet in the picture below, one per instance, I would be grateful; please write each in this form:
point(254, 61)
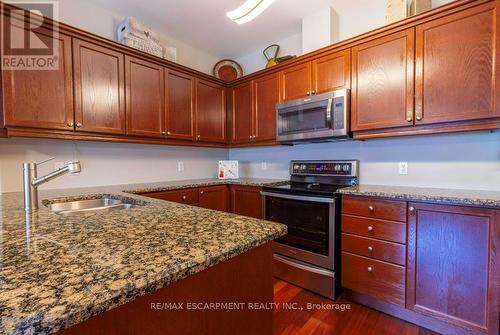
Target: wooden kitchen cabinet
point(210, 111)
point(453, 268)
point(99, 88)
point(246, 201)
point(266, 96)
point(331, 72)
point(145, 90)
point(296, 81)
point(382, 82)
point(243, 121)
point(180, 111)
point(186, 196)
point(41, 99)
point(214, 197)
point(455, 67)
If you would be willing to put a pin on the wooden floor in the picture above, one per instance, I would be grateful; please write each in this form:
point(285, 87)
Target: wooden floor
point(297, 318)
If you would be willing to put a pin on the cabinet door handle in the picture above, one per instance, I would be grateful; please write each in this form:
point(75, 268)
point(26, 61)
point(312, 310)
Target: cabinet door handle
point(313, 92)
point(419, 118)
point(370, 228)
point(409, 119)
point(250, 137)
point(70, 124)
point(79, 125)
point(370, 269)
point(308, 93)
point(198, 137)
point(370, 249)
point(412, 209)
point(164, 133)
point(184, 197)
point(201, 192)
point(371, 209)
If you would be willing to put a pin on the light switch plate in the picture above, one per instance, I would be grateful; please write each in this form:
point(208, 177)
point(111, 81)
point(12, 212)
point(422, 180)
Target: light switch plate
point(403, 168)
point(180, 166)
point(264, 165)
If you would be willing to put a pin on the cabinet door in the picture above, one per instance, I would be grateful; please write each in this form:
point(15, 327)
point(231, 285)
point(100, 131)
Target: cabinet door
point(455, 74)
point(215, 197)
point(247, 201)
point(242, 113)
point(382, 82)
point(145, 96)
point(453, 269)
point(180, 118)
point(41, 98)
point(296, 81)
point(99, 88)
point(210, 112)
point(267, 95)
point(332, 72)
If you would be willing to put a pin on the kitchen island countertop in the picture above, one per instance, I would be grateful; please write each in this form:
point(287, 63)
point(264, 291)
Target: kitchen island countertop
point(57, 271)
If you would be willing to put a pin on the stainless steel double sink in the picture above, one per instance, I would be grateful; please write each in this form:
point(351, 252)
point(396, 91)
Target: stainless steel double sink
point(89, 206)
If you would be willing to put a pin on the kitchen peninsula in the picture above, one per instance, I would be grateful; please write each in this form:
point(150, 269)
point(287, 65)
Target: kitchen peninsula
point(107, 272)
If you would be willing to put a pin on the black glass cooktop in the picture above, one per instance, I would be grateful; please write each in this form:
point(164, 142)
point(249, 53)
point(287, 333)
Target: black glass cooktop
point(316, 189)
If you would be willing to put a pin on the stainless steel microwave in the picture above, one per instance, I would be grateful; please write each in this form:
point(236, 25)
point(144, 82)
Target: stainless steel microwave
point(322, 117)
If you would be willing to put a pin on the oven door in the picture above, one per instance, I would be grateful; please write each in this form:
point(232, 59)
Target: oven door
point(311, 225)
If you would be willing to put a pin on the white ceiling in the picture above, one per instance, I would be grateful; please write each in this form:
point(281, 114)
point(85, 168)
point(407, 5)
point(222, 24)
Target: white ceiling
point(203, 23)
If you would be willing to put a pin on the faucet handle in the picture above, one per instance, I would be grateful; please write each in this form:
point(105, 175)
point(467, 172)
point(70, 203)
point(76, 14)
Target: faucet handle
point(45, 161)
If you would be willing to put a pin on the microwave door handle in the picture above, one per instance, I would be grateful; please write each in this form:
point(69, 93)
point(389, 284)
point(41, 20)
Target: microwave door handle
point(329, 113)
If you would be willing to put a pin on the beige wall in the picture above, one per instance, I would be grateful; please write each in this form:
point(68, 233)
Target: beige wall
point(90, 17)
point(105, 163)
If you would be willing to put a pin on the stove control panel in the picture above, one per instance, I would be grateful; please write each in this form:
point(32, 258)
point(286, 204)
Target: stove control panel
point(325, 168)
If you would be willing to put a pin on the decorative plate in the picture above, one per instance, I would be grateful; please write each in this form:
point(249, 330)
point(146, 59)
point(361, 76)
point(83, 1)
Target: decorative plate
point(228, 70)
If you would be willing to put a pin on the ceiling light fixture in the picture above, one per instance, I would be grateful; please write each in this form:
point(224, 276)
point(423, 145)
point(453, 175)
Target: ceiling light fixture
point(249, 10)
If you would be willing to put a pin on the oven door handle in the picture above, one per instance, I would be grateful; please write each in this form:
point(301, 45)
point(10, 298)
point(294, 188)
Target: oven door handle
point(303, 266)
point(298, 197)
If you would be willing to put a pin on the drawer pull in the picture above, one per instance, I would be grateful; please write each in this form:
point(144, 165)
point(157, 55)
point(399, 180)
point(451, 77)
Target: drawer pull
point(370, 228)
point(184, 197)
point(370, 269)
point(201, 192)
point(371, 209)
point(412, 209)
point(370, 249)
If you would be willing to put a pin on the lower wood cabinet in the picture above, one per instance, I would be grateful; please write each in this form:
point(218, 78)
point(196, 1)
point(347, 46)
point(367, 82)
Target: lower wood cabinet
point(246, 201)
point(453, 265)
point(237, 199)
point(214, 197)
point(441, 271)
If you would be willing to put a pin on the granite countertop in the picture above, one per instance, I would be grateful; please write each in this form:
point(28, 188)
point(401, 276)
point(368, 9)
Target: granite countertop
point(57, 271)
point(445, 196)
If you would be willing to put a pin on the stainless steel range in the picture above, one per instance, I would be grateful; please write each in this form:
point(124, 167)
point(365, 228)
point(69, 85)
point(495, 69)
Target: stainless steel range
point(309, 255)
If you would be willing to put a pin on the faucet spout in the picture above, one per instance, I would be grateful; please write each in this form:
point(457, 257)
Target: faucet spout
point(31, 182)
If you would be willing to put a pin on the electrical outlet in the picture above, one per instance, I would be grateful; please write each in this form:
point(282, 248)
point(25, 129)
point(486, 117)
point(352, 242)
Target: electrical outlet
point(403, 168)
point(180, 166)
point(264, 165)
point(58, 165)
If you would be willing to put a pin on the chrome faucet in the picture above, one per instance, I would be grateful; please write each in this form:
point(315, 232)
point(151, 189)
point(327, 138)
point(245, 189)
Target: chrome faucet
point(31, 182)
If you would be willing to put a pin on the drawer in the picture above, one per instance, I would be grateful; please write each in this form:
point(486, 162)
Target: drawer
point(375, 278)
point(189, 196)
point(375, 208)
point(374, 228)
point(368, 247)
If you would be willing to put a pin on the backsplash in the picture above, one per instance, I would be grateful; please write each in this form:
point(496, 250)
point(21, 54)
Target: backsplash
point(469, 161)
point(105, 163)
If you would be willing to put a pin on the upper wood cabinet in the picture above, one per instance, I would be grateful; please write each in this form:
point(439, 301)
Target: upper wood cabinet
point(266, 96)
point(145, 98)
point(180, 119)
point(41, 98)
point(296, 81)
point(210, 111)
point(382, 82)
point(215, 197)
point(99, 88)
point(242, 128)
point(253, 109)
point(453, 269)
point(331, 72)
point(455, 67)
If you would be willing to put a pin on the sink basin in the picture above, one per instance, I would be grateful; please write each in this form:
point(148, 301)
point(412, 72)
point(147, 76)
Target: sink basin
point(85, 207)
